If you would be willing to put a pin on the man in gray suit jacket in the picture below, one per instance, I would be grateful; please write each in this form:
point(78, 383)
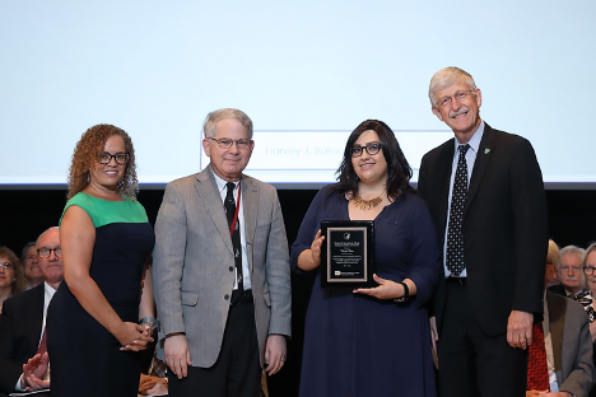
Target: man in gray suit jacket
point(221, 270)
point(568, 347)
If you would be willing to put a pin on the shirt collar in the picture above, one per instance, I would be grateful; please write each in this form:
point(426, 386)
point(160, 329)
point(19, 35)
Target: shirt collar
point(474, 142)
point(49, 290)
point(221, 184)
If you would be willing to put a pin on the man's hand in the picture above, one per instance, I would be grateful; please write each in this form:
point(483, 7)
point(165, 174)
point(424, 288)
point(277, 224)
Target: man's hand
point(519, 329)
point(34, 371)
point(275, 353)
point(177, 354)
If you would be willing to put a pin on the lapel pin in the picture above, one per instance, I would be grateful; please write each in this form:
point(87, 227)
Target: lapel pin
point(486, 151)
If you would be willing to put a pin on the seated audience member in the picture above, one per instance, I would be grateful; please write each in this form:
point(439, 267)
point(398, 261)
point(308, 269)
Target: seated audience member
point(571, 276)
point(23, 357)
point(32, 273)
point(552, 259)
point(153, 386)
point(11, 274)
point(589, 267)
point(560, 356)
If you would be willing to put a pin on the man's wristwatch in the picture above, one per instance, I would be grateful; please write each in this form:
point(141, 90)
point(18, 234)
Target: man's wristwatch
point(405, 296)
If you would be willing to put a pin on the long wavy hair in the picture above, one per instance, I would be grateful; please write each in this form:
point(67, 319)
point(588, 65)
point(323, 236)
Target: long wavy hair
point(18, 285)
point(399, 171)
point(86, 156)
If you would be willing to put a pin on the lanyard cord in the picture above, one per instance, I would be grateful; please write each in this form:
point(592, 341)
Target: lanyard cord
point(236, 213)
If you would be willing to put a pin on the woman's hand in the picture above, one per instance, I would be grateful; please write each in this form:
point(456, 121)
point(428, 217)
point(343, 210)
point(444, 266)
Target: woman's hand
point(310, 259)
point(387, 289)
point(133, 337)
point(315, 249)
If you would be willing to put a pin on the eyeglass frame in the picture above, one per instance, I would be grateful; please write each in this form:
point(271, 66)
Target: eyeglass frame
point(458, 96)
point(7, 265)
point(113, 156)
point(58, 255)
point(365, 147)
point(232, 142)
point(586, 267)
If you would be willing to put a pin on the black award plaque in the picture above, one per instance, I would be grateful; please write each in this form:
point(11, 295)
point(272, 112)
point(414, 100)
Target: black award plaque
point(347, 254)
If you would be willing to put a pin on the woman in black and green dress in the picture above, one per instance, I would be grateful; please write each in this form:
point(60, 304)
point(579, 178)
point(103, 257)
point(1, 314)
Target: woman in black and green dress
point(106, 239)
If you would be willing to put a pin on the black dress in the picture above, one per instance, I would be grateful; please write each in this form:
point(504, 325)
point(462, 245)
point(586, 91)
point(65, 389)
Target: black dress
point(85, 359)
point(361, 346)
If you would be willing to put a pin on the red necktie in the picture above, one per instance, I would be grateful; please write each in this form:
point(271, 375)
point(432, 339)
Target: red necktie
point(537, 365)
point(42, 345)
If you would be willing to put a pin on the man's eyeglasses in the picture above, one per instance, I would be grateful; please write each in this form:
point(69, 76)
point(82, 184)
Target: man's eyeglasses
point(7, 265)
point(371, 148)
point(46, 252)
point(121, 158)
point(459, 96)
point(226, 143)
point(589, 270)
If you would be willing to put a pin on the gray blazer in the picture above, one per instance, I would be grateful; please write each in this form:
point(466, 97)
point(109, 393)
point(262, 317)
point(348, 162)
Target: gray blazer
point(572, 345)
point(193, 263)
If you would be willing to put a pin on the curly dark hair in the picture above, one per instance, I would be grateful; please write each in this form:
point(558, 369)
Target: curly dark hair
point(19, 278)
point(399, 171)
point(86, 155)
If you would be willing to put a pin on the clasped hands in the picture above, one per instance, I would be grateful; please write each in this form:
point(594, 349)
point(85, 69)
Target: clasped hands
point(34, 370)
point(133, 337)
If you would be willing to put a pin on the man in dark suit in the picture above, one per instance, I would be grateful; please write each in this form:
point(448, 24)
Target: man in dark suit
point(221, 270)
point(22, 325)
point(488, 204)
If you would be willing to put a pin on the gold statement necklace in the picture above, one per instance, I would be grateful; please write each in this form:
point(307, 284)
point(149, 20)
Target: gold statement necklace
point(366, 205)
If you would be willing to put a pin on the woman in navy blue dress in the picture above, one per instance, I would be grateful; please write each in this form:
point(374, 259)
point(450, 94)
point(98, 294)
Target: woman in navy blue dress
point(362, 342)
point(106, 239)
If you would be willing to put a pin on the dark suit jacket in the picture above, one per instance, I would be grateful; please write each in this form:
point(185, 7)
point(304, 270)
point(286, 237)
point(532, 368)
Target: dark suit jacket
point(20, 332)
point(504, 228)
point(557, 289)
point(572, 345)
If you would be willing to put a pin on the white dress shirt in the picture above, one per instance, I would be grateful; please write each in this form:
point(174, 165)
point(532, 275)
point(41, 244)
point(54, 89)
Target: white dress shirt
point(223, 192)
point(470, 160)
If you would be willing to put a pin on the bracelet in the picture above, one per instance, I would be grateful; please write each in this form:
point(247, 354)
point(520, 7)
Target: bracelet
point(149, 322)
point(405, 296)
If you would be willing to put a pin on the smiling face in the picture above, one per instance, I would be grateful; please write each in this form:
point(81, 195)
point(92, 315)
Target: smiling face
point(6, 273)
point(51, 267)
point(107, 176)
point(570, 272)
point(31, 267)
point(591, 279)
point(462, 116)
point(370, 169)
point(229, 163)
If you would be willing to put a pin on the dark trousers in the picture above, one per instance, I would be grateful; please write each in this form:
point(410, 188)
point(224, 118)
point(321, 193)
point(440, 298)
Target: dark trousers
point(237, 371)
point(472, 363)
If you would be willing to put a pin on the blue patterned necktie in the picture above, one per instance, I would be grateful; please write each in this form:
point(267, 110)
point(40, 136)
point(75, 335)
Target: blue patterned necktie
point(455, 241)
